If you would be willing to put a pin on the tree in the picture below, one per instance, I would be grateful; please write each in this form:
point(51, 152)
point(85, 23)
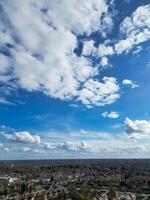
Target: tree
point(24, 188)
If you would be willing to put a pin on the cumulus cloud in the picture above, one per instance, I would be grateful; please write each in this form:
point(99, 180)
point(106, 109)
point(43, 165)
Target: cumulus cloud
point(137, 128)
point(67, 146)
point(75, 146)
point(129, 83)
point(24, 137)
point(92, 143)
point(105, 50)
point(104, 61)
point(41, 43)
point(35, 141)
point(100, 93)
point(50, 145)
point(135, 29)
point(88, 48)
point(111, 115)
point(70, 16)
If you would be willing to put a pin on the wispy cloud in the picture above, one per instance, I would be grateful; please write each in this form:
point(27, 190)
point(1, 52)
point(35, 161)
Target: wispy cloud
point(6, 102)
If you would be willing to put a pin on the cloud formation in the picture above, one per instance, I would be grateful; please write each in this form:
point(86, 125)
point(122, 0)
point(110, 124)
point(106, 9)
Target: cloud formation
point(85, 142)
point(40, 54)
point(111, 115)
point(33, 141)
point(24, 137)
point(100, 93)
point(130, 83)
point(137, 128)
point(134, 29)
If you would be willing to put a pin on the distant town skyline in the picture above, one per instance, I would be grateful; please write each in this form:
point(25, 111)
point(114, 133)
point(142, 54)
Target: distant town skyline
point(75, 79)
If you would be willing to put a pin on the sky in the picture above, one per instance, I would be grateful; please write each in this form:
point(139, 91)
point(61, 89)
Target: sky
point(74, 79)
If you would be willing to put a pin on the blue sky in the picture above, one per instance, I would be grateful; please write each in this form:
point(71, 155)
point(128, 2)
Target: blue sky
point(74, 79)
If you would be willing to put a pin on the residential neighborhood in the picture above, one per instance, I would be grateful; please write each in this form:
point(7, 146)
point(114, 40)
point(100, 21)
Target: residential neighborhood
point(75, 180)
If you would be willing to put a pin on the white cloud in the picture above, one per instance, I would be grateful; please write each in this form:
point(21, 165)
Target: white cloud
point(50, 145)
point(129, 83)
point(100, 93)
point(75, 146)
point(67, 146)
point(69, 17)
point(134, 142)
point(105, 50)
point(124, 45)
point(88, 48)
point(35, 141)
point(24, 137)
point(42, 45)
point(135, 29)
point(43, 37)
point(4, 63)
point(107, 24)
point(111, 115)
point(104, 61)
point(137, 128)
